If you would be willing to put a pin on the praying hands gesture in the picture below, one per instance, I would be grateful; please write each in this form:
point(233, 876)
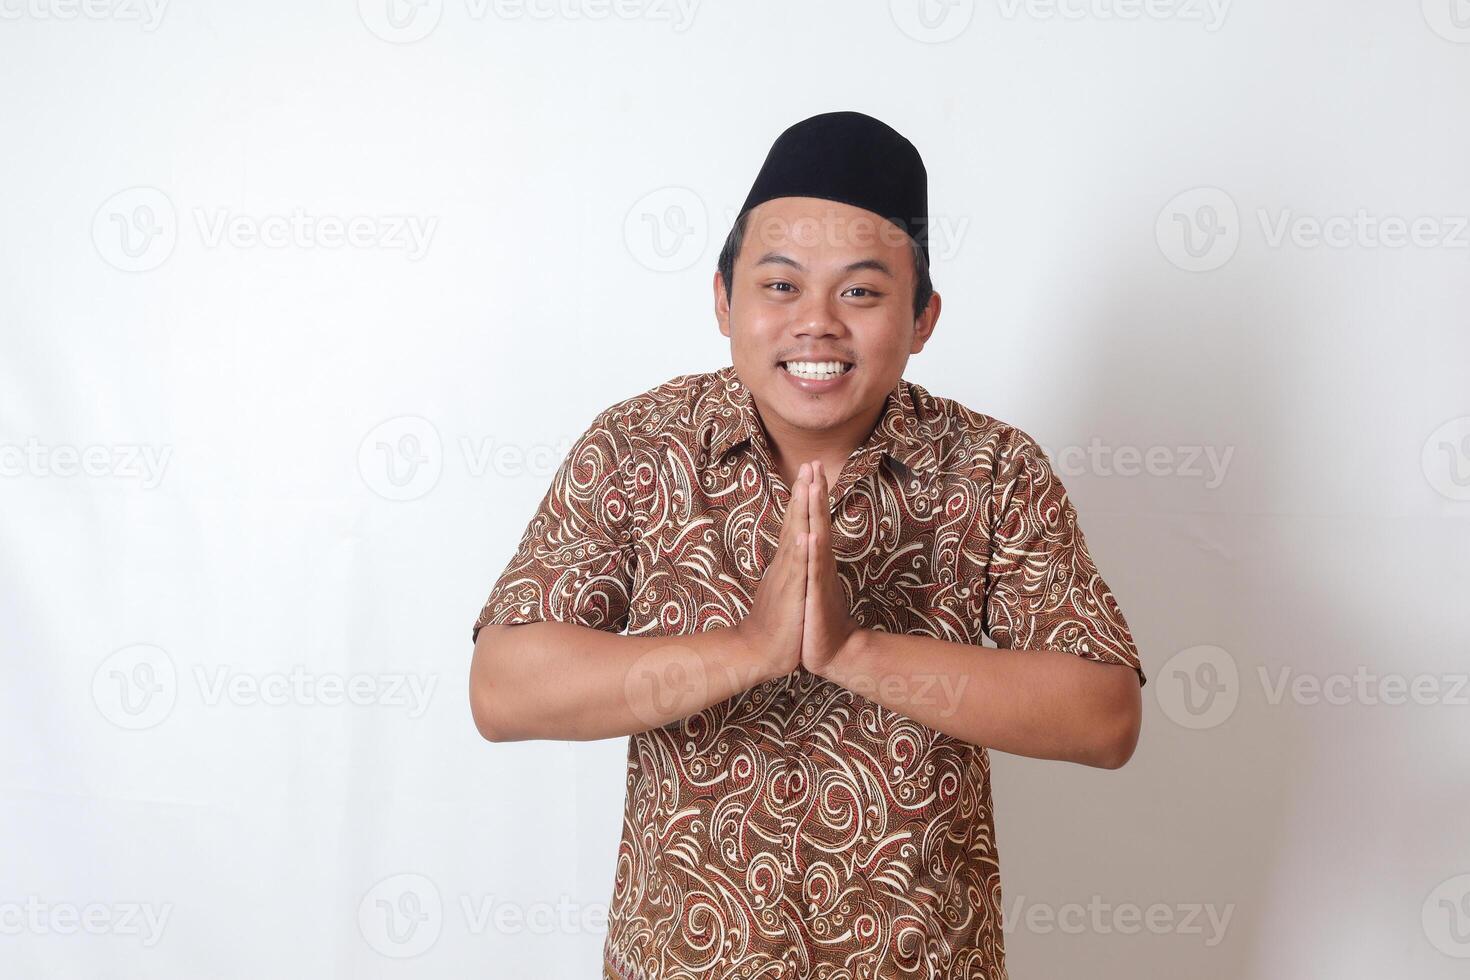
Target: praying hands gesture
point(800, 616)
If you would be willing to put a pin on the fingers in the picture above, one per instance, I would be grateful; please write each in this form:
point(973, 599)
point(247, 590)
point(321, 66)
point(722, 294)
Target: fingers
point(797, 512)
point(792, 548)
point(818, 518)
point(797, 569)
point(789, 525)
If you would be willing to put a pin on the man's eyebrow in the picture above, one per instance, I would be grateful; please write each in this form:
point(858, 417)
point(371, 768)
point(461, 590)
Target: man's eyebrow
point(876, 265)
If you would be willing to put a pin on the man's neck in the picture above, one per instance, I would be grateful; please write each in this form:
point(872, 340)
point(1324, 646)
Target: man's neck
point(790, 446)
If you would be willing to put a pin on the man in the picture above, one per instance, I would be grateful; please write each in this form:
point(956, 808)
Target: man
point(805, 551)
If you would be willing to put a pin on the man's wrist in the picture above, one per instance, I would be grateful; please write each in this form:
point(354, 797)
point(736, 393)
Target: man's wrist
point(752, 656)
point(852, 656)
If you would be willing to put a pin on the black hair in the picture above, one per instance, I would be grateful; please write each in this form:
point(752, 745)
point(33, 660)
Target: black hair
point(923, 286)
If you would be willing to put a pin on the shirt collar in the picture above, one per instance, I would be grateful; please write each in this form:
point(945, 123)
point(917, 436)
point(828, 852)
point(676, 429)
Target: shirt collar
point(726, 417)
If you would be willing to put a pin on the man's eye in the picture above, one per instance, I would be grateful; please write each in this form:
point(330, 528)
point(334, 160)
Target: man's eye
point(775, 284)
point(867, 293)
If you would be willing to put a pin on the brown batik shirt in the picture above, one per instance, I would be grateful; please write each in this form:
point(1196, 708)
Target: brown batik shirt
point(799, 830)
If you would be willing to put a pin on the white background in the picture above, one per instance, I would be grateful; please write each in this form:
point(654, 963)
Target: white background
point(325, 502)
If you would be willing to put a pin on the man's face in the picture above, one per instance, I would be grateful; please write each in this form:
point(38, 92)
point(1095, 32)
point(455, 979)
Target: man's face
point(817, 280)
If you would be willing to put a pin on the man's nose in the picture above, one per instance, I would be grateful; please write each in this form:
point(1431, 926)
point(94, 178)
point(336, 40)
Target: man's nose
point(818, 316)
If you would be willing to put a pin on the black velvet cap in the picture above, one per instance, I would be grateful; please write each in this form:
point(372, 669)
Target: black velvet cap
point(852, 158)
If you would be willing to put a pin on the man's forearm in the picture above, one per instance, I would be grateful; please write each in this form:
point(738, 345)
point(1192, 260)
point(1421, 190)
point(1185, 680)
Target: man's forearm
point(1044, 704)
point(564, 681)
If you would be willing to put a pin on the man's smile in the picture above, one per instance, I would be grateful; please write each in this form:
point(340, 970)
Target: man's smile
point(816, 370)
point(816, 377)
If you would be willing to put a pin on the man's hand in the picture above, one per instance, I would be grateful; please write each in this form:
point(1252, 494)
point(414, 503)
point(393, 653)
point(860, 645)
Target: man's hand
point(773, 629)
point(828, 625)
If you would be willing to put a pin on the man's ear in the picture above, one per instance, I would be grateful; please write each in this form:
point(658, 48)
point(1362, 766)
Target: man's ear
point(925, 323)
point(722, 304)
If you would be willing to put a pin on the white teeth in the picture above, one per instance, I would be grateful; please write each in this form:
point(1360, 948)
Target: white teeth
point(817, 370)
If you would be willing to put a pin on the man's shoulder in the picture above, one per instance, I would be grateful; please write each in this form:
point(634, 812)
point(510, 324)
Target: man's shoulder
point(666, 409)
point(968, 441)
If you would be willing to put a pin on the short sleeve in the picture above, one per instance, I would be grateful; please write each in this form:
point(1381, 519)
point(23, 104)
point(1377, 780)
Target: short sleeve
point(575, 560)
point(1042, 590)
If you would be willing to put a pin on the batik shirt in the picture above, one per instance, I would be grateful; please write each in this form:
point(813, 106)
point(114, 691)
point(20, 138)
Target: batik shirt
point(798, 829)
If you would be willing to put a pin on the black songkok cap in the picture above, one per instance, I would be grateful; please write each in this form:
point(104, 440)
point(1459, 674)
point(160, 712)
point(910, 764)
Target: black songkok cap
point(852, 158)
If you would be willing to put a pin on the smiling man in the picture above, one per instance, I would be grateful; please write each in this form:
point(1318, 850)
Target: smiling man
point(776, 578)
